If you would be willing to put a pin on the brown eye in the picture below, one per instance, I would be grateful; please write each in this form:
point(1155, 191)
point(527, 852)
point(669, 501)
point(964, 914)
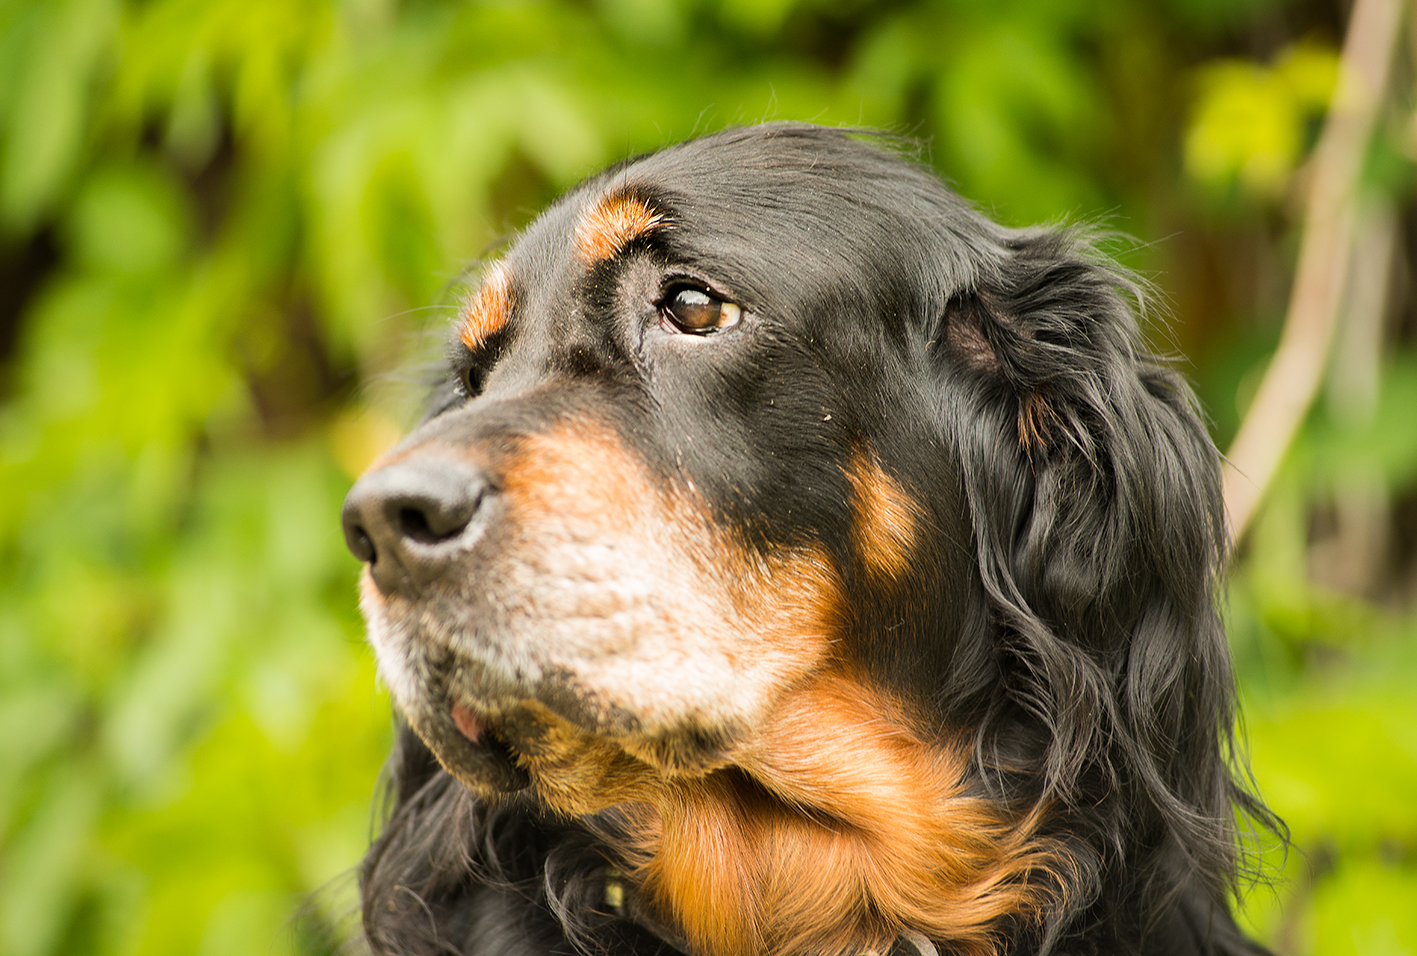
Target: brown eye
point(693, 310)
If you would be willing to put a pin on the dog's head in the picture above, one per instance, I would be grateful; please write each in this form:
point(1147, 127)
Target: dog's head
point(848, 545)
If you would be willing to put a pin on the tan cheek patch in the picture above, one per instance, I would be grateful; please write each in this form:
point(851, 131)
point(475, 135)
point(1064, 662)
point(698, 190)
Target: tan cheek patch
point(671, 618)
point(611, 224)
point(582, 475)
point(487, 312)
point(885, 519)
point(579, 773)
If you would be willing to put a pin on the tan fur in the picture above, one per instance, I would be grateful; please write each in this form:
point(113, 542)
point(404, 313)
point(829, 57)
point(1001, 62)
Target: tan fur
point(1036, 420)
point(885, 518)
point(579, 773)
point(488, 311)
point(623, 587)
point(861, 829)
point(612, 223)
point(838, 828)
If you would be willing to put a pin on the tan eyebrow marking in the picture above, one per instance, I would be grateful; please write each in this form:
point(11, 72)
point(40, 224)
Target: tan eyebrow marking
point(612, 223)
point(487, 312)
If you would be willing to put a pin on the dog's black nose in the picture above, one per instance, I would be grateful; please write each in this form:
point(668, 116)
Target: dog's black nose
point(410, 519)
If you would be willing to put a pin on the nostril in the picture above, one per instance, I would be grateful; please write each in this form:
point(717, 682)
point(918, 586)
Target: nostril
point(360, 544)
point(435, 519)
point(414, 524)
point(408, 520)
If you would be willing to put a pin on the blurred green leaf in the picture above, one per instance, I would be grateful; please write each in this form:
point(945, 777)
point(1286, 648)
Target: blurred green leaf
point(59, 57)
point(128, 221)
point(1250, 122)
point(1366, 909)
point(44, 866)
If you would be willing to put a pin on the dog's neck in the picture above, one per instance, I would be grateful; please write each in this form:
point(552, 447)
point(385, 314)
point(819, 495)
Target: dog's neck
point(840, 832)
point(622, 900)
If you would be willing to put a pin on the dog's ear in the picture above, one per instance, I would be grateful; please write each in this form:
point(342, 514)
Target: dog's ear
point(1095, 502)
point(1103, 440)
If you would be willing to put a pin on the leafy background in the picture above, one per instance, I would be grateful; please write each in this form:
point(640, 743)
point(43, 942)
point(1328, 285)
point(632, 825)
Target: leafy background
point(229, 229)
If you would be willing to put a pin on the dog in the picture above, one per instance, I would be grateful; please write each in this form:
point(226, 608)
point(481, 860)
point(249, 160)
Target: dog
point(797, 562)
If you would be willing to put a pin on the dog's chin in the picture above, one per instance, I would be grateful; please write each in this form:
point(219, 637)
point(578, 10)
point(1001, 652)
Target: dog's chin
point(507, 749)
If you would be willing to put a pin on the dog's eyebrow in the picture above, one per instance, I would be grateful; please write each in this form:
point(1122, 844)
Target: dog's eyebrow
point(484, 314)
point(612, 222)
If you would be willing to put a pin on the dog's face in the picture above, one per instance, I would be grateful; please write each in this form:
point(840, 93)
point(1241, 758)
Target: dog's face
point(689, 421)
point(783, 502)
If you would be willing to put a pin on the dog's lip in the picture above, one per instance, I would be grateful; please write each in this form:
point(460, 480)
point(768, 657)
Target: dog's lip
point(468, 724)
point(474, 749)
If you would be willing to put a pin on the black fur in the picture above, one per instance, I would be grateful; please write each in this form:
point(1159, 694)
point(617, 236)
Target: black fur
point(1065, 610)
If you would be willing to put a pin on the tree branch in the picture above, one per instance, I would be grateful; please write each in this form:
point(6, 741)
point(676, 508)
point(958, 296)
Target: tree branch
point(1294, 374)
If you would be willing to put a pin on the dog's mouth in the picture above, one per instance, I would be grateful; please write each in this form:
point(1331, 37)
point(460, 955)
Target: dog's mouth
point(468, 723)
point(475, 748)
point(507, 747)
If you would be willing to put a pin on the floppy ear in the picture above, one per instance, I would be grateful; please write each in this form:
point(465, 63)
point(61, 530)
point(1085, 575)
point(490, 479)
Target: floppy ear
point(1096, 510)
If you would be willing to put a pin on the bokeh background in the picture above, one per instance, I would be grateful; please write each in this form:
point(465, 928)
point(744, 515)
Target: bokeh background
point(232, 230)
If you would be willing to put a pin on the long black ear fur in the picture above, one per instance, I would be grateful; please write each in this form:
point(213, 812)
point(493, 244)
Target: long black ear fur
point(1095, 499)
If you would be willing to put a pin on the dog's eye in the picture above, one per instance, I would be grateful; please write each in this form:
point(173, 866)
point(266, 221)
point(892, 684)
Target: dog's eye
point(469, 381)
point(689, 309)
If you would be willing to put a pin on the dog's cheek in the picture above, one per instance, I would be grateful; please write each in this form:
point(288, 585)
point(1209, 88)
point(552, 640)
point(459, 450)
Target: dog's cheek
point(705, 633)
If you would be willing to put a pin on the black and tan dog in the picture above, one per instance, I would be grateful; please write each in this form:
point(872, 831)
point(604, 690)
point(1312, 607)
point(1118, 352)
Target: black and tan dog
point(799, 563)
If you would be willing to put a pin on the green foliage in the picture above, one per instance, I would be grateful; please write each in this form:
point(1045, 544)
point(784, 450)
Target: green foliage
point(1328, 689)
point(226, 223)
point(1251, 122)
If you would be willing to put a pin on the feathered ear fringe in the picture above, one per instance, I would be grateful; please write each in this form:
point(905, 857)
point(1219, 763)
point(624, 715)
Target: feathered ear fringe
point(1095, 498)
